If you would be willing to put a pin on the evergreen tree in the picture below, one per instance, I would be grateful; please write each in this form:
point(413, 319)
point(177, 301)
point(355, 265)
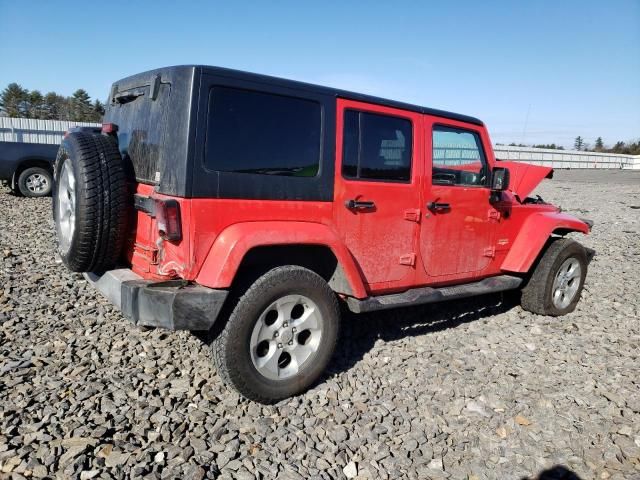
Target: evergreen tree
point(35, 105)
point(14, 100)
point(81, 108)
point(98, 111)
point(550, 146)
point(579, 143)
point(599, 144)
point(619, 147)
point(55, 106)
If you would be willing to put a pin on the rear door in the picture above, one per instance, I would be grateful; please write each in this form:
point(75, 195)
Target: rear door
point(456, 234)
point(377, 194)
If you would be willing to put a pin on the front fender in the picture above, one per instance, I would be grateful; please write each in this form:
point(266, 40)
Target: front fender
point(220, 267)
point(533, 235)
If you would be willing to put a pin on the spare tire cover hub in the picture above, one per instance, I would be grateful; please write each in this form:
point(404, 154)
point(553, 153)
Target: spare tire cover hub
point(66, 205)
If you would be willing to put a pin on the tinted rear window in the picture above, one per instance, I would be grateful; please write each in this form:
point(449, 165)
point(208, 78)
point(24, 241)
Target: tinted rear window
point(255, 132)
point(141, 129)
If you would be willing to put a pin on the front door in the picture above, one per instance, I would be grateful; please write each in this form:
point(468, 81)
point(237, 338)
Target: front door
point(456, 234)
point(377, 193)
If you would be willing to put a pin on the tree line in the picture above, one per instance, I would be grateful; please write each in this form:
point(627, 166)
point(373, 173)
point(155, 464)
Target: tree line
point(628, 148)
point(17, 101)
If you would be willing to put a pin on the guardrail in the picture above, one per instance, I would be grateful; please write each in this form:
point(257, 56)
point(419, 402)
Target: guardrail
point(567, 158)
point(30, 130)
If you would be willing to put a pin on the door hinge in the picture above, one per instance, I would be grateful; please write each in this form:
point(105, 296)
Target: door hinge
point(489, 252)
point(412, 214)
point(408, 259)
point(494, 214)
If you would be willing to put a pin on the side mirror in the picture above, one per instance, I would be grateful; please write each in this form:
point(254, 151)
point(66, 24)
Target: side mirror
point(499, 179)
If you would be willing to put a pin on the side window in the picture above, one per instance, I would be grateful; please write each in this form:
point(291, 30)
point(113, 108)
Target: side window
point(262, 133)
point(376, 147)
point(458, 157)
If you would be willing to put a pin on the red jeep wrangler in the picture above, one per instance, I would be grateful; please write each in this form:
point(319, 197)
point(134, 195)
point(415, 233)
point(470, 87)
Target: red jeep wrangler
point(251, 207)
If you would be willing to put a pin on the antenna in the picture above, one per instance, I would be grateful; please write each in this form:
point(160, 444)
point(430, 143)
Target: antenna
point(526, 121)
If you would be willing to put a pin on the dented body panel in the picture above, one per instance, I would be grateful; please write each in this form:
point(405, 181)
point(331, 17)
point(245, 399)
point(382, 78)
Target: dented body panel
point(534, 233)
point(525, 177)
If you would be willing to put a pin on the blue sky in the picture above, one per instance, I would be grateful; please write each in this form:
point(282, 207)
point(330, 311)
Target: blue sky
point(538, 71)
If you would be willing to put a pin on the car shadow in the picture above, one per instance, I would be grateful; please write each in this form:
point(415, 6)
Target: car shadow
point(12, 193)
point(557, 472)
point(359, 333)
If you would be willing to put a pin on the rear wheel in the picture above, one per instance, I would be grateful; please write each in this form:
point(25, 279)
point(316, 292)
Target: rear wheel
point(280, 336)
point(35, 182)
point(557, 281)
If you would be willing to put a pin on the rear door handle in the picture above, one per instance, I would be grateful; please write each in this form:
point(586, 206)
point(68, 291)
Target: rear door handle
point(438, 206)
point(359, 205)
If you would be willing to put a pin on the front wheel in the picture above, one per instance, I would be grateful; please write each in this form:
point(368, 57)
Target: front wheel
point(557, 281)
point(280, 335)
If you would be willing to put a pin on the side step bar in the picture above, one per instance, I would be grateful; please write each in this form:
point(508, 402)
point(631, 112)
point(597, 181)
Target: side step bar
point(419, 296)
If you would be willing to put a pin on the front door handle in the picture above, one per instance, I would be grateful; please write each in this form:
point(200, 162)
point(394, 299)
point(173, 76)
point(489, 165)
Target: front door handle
point(359, 205)
point(438, 206)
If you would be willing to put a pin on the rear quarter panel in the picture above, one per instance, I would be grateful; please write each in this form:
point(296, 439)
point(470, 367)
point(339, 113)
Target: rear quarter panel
point(226, 253)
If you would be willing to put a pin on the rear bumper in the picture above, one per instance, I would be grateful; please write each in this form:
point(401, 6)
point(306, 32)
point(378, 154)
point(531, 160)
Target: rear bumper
point(174, 304)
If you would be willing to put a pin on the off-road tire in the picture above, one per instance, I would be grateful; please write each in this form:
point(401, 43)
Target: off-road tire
point(231, 346)
point(537, 294)
point(23, 188)
point(103, 204)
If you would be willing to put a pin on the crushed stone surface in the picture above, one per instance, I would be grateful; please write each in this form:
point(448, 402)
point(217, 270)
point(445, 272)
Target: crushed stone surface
point(464, 390)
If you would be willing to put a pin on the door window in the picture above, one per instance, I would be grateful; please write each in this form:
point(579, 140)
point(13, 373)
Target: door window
point(458, 157)
point(376, 147)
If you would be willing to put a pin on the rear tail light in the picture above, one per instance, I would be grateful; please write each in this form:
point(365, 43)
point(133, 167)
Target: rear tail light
point(168, 220)
point(109, 128)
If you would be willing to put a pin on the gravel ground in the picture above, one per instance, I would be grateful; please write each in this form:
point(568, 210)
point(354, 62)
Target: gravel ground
point(476, 389)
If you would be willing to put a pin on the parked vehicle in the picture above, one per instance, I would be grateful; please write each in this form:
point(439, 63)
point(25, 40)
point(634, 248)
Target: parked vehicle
point(27, 167)
point(251, 207)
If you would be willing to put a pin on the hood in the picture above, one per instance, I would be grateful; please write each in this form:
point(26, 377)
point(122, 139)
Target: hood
point(524, 177)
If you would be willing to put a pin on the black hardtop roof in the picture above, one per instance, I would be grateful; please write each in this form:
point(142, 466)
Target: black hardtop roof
point(294, 84)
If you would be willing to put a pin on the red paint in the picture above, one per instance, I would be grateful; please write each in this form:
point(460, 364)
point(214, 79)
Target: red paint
point(532, 235)
point(453, 242)
point(379, 237)
point(525, 177)
point(398, 245)
point(109, 128)
point(234, 242)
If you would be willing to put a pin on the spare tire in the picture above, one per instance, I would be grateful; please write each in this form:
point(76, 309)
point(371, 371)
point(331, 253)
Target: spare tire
point(91, 203)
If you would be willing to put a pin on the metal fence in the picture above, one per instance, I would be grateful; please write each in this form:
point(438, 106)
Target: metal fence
point(29, 130)
point(566, 158)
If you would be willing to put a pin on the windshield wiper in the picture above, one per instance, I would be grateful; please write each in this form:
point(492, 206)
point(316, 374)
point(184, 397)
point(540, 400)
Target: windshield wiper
point(126, 97)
